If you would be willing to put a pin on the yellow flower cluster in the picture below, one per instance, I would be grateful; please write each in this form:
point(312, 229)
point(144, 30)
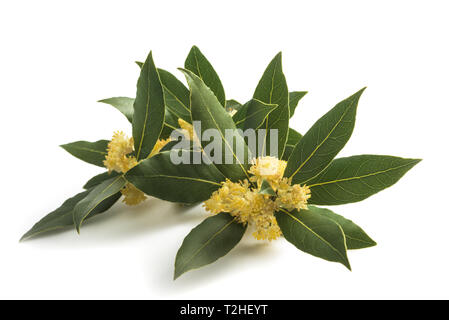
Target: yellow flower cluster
point(118, 159)
point(247, 205)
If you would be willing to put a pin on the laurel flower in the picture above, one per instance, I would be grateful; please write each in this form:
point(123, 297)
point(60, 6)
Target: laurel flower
point(118, 158)
point(268, 168)
point(187, 129)
point(158, 146)
point(243, 200)
point(132, 195)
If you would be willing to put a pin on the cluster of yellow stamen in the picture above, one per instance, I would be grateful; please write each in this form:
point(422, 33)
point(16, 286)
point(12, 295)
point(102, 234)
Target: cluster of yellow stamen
point(119, 159)
point(247, 205)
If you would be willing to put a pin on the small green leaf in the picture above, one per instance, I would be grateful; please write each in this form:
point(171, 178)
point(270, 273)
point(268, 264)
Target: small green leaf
point(314, 234)
point(266, 188)
point(356, 178)
point(97, 195)
point(323, 141)
point(200, 66)
point(63, 216)
point(252, 114)
point(177, 96)
point(206, 109)
point(90, 152)
point(232, 105)
point(293, 139)
point(149, 110)
point(96, 180)
point(272, 89)
point(159, 177)
point(123, 104)
point(209, 241)
point(356, 238)
point(294, 98)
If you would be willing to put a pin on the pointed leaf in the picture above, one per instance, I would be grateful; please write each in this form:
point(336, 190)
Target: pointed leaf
point(123, 104)
point(209, 241)
point(314, 234)
point(356, 178)
point(159, 177)
point(272, 89)
point(149, 109)
point(266, 188)
point(323, 141)
point(356, 238)
point(206, 109)
point(294, 98)
point(199, 65)
point(232, 105)
point(90, 152)
point(293, 139)
point(99, 178)
point(177, 96)
point(97, 195)
point(252, 114)
point(63, 216)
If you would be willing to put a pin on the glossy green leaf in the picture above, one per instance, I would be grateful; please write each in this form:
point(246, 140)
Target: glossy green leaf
point(319, 146)
point(232, 105)
point(105, 190)
point(252, 114)
point(206, 109)
point(177, 96)
point(63, 216)
point(123, 104)
point(314, 234)
point(149, 110)
point(266, 188)
point(90, 152)
point(199, 65)
point(209, 241)
point(293, 139)
point(294, 98)
point(356, 238)
point(272, 89)
point(99, 178)
point(355, 178)
point(159, 177)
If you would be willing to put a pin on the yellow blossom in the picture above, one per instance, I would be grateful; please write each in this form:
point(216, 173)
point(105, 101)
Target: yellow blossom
point(133, 196)
point(243, 200)
point(188, 129)
point(158, 146)
point(268, 168)
point(117, 158)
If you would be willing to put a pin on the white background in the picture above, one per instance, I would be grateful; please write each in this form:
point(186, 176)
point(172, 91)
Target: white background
point(57, 58)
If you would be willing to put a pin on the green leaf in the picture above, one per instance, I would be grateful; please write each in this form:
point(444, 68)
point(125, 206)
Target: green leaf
point(206, 109)
point(63, 216)
point(99, 178)
point(272, 89)
point(252, 114)
point(293, 139)
point(355, 178)
point(177, 96)
point(314, 234)
point(122, 104)
point(209, 241)
point(90, 152)
point(149, 110)
point(199, 65)
point(323, 141)
point(356, 238)
point(159, 177)
point(232, 105)
point(294, 98)
point(97, 195)
point(266, 188)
